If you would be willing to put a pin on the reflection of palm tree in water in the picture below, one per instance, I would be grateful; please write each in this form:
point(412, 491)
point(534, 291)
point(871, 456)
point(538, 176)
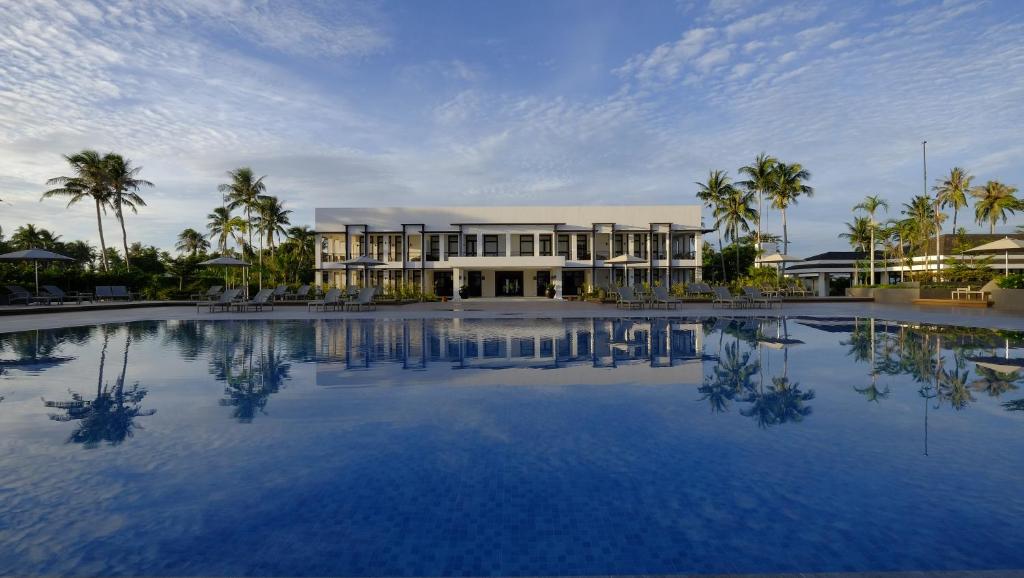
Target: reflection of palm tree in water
point(110, 416)
point(783, 401)
point(251, 368)
point(731, 377)
point(862, 348)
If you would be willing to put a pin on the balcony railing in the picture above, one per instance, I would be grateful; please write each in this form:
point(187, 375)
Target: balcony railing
point(684, 255)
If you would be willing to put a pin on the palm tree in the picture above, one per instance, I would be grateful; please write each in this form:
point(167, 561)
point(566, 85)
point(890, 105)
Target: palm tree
point(225, 228)
point(29, 237)
point(860, 235)
point(761, 175)
point(734, 212)
point(870, 205)
point(122, 178)
point(89, 181)
point(952, 191)
point(995, 200)
point(920, 213)
point(787, 187)
point(192, 242)
point(271, 218)
point(712, 193)
point(245, 191)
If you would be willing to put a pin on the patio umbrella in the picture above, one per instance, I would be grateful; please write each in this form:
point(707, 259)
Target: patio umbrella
point(36, 256)
point(226, 262)
point(625, 260)
point(365, 262)
point(1005, 245)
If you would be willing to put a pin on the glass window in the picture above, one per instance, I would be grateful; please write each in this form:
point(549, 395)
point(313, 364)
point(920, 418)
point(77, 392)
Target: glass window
point(490, 245)
point(471, 246)
point(545, 245)
point(433, 247)
point(453, 246)
point(563, 246)
point(526, 244)
point(582, 247)
point(617, 245)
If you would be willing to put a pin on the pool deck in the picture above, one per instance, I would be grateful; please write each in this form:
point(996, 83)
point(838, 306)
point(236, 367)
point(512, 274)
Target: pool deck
point(511, 308)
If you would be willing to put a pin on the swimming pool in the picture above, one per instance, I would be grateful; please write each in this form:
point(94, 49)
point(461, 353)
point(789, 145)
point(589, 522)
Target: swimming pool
point(510, 447)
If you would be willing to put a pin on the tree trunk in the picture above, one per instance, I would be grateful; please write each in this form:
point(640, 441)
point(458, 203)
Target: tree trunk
point(785, 233)
point(103, 243)
point(721, 254)
point(871, 252)
point(736, 244)
point(124, 238)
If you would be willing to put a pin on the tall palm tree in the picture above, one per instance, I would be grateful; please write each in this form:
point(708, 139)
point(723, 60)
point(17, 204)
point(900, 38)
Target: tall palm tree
point(271, 218)
point(124, 184)
point(89, 181)
point(995, 200)
point(858, 233)
point(192, 242)
point(245, 191)
point(760, 179)
point(870, 205)
point(734, 212)
point(952, 190)
point(225, 227)
point(920, 213)
point(29, 236)
point(713, 193)
point(788, 186)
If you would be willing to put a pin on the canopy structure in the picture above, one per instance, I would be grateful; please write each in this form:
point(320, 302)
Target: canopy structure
point(365, 262)
point(36, 256)
point(227, 261)
point(1005, 245)
point(625, 260)
point(779, 260)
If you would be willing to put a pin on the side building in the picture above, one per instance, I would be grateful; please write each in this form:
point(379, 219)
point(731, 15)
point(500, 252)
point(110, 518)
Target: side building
point(509, 251)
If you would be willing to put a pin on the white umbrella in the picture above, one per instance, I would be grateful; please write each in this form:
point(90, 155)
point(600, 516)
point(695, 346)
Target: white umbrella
point(365, 262)
point(227, 261)
point(1005, 245)
point(779, 260)
point(625, 260)
point(36, 256)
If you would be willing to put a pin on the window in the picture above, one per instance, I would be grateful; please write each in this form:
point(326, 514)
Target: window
point(617, 246)
point(433, 248)
point(453, 247)
point(545, 245)
point(490, 245)
point(471, 246)
point(563, 246)
point(526, 245)
point(396, 248)
point(582, 247)
point(639, 249)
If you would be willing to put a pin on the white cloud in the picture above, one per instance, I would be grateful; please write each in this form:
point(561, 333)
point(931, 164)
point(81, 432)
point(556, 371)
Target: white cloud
point(666, 62)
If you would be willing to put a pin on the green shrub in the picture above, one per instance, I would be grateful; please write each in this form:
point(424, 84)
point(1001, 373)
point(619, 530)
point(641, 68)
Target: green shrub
point(1012, 281)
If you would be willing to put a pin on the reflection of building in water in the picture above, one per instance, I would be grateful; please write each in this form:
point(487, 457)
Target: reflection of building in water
point(347, 349)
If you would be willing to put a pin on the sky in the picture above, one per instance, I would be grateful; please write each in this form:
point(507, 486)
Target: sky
point(351, 103)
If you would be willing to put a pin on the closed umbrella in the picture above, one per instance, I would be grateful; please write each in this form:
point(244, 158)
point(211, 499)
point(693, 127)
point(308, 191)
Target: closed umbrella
point(36, 256)
point(1005, 245)
point(227, 262)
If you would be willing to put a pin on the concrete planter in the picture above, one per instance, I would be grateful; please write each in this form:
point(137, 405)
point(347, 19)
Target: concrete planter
point(860, 291)
point(904, 296)
point(1008, 299)
point(936, 293)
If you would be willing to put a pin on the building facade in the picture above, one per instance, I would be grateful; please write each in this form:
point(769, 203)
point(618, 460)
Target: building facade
point(509, 251)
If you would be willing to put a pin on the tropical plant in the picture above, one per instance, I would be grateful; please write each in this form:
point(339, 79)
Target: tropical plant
point(88, 181)
point(123, 192)
point(245, 191)
point(952, 190)
point(788, 186)
point(994, 201)
point(224, 227)
point(859, 233)
point(271, 219)
point(713, 193)
point(870, 205)
point(920, 213)
point(760, 179)
point(31, 237)
point(734, 212)
point(192, 242)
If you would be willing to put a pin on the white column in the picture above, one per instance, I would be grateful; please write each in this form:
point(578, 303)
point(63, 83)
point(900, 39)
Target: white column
point(822, 285)
point(508, 244)
point(443, 243)
point(479, 244)
point(556, 279)
point(536, 244)
point(456, 283)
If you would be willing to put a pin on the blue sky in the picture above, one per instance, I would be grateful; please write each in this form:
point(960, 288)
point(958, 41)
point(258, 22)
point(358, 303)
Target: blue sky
point(457, 102)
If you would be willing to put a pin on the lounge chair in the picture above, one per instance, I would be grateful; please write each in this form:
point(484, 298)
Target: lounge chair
point(122, 292)
point(211, 293)
point(796, 288)
point(279, 292)
point(265, 298)
point(301, 295)
point(363, 301)
point(662, 297)
point(754, 295)
point(61, 296)
point(722, 296)
point(19, 293)
point(699, 289)
point(331, 299)
point(223, 301)
point(626, 298)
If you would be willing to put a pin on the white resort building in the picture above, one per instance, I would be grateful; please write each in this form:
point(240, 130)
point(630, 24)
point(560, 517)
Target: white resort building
point(509, 251)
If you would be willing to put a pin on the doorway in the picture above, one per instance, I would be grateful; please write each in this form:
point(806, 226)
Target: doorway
point(443, 283)
point(572, 282)
point(543, 278)
point(508, 283)
point(475, 283)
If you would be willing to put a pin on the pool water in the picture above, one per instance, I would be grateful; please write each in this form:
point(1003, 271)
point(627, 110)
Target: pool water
point(510, 447)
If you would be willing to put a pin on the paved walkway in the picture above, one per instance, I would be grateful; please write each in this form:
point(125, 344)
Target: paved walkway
point(531, 308)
